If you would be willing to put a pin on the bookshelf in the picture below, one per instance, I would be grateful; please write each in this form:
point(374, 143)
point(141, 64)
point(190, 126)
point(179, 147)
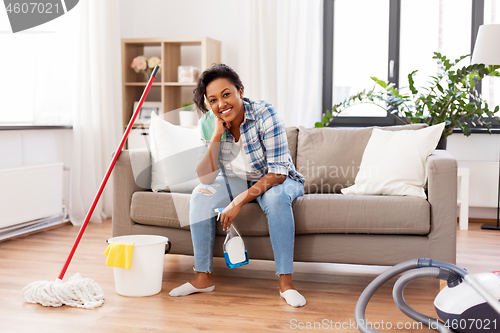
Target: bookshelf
point(201, 52)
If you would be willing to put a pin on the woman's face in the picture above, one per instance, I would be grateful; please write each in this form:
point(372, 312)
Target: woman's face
point(225, 99)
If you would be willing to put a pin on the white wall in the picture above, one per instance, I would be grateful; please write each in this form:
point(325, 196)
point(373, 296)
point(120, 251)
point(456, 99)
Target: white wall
point(216, 19)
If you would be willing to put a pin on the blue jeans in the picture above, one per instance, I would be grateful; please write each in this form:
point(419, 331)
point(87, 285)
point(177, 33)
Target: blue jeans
point(275, 202)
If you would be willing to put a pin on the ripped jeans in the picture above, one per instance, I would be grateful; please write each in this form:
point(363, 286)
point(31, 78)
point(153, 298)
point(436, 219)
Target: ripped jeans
point(275, 202)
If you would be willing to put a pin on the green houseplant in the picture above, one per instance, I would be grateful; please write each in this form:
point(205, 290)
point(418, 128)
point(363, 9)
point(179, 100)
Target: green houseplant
point(450, 97)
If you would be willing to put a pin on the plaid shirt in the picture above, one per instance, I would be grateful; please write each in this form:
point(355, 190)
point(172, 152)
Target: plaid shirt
point(264, 142)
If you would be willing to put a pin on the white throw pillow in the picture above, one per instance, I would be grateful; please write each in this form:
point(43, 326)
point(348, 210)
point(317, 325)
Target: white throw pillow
point(394, 163)
point(174, 155)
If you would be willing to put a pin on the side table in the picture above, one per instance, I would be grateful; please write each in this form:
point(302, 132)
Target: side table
point(463, 197)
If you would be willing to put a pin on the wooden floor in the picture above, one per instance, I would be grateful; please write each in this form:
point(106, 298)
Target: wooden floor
point(245, 300)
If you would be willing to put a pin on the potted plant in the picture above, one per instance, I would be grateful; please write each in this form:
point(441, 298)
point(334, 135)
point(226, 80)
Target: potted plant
point(450, 98)
point(188, 115)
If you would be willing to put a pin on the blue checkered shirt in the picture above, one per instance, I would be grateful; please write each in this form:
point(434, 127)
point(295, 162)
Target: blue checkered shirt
point(264, 142)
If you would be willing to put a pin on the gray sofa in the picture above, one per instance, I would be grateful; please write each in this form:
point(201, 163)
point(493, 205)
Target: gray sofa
point(329, 226)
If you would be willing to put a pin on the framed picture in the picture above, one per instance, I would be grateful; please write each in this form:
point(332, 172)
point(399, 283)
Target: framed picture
point(146, 110)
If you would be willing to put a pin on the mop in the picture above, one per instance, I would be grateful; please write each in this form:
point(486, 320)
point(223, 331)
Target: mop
point(78, 291)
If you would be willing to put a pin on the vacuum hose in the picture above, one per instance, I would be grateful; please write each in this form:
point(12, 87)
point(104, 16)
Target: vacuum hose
point(366, 295)
point(399, 300)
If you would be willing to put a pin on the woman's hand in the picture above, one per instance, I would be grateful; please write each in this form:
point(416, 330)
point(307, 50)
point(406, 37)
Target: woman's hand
point(220, 127)
point(228, 214)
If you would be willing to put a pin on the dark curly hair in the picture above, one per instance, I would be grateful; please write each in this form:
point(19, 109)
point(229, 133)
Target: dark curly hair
point(217, 71)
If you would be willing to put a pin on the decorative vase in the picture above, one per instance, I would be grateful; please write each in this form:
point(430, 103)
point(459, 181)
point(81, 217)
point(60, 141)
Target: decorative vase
point(147, 74)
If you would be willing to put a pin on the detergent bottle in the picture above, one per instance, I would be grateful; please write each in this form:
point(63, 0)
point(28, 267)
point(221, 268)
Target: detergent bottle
point(233, 247)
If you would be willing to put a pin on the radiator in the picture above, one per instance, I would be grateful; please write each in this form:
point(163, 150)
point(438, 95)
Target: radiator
point(483, 183)
point(30, 193)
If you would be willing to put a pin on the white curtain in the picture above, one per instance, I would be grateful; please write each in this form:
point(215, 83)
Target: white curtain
point(280, 56)
point(97, 124)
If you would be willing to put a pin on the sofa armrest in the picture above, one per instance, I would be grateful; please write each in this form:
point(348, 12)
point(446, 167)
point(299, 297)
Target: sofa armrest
point(124, 186)
point(442, 196)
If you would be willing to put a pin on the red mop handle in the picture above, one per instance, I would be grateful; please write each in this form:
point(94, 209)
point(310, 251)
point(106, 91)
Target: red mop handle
point(108, 173)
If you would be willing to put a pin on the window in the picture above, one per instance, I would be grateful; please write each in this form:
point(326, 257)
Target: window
point(391, 38)
point(37, 82)
point(429, 26)
point(360, 50)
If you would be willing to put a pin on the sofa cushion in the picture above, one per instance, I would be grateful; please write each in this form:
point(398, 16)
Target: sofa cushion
point(395, 162)
point(171, 210)
point(175, 151)
point(314, 214)
point(329, 158)
point(361, 214)
point(162, 209)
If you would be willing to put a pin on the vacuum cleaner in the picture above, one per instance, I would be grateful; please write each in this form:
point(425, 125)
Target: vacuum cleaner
point(469, 303)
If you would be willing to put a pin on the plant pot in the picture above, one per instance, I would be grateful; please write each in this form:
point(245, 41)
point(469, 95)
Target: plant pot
point(188, 118)
point(442, 143)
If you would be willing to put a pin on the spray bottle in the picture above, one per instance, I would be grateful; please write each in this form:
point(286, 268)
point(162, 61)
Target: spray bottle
point(234, 247)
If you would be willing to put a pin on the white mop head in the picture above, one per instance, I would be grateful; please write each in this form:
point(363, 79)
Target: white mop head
point(80, 292)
